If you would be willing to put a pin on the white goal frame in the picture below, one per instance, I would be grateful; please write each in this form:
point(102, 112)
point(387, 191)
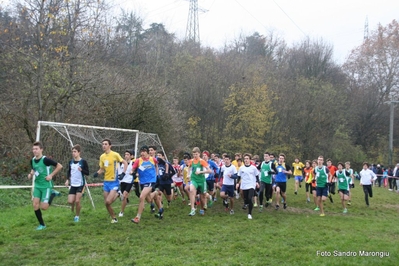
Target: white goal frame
point(140, 137)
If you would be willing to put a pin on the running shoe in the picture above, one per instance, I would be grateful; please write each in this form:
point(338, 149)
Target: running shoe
point(277, 207)
point(317, 209)
point(345, 210)
point(121, 214)
point(114, 221)
point(192, 213)
point(261, 208)
point(322, 214)
point(202, 212)
point(136, 220)
point(249, 216)
point(285, 205)
point(76, 219)
point(159, 215)
point(40, 227)
point(231, 212)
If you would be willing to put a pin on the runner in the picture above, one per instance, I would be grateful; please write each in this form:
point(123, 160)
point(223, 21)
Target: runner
point(323, 177)
point(281, 180)
point(43, 181)
point(266, 168)
point(343, 177)
point(126, 183)
point(199, 168)
point(298, 166)
point(249, 181)
point(77, 169)
point(146, 167)
point(229, 173)
point(367, 177)
point(108, 165)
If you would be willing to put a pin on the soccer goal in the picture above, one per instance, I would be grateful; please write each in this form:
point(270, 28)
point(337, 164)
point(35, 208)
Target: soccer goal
point(58, 138)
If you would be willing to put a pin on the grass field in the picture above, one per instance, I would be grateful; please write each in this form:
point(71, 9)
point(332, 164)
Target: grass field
point(295, 236)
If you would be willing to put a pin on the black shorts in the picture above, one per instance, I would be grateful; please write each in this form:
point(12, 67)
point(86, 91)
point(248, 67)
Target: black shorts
point(344, 191)
point(309, 187)
point(282, 186)
point(75, 190)
point(126, 187)
point(210, 185)
point(165, 187)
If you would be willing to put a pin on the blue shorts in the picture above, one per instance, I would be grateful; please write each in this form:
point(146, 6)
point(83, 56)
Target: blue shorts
point(228, 189)
point(322, 191)
point(151, 185)
point(111, 185)
point(298, 178)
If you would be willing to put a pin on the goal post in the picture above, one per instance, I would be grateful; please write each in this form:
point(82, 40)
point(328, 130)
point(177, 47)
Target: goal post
point(59, 138)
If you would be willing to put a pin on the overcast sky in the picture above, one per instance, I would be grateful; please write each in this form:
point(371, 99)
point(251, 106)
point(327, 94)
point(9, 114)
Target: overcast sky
point(338, 22)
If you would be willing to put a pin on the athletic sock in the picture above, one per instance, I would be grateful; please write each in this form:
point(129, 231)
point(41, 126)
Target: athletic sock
point(52, 196)
point(39, 217)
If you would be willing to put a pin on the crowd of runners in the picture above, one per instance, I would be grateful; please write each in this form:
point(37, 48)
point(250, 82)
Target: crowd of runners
point(200, 178)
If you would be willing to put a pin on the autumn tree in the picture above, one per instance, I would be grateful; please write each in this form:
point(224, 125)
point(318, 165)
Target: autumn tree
point(249, 117)
point(373, 71)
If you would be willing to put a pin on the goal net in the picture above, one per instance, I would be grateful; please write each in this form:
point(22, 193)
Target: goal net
point(58, 139)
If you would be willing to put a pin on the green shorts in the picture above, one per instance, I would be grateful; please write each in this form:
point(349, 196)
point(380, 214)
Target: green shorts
point(200, 186)
point(42, 193)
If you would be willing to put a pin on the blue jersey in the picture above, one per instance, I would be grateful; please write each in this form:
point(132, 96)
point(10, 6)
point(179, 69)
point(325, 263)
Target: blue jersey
point(215, 169)
point(281, 177)
point(146, 171)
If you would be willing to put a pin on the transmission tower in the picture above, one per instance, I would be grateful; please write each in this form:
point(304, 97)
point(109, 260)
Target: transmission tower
point(192, 30)
point(366, 29)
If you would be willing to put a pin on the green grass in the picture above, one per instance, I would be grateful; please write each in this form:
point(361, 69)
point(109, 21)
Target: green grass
point(284, 237)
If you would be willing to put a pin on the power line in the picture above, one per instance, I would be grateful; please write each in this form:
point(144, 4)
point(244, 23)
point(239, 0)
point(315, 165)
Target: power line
point(290, 19)
point(250, 13)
